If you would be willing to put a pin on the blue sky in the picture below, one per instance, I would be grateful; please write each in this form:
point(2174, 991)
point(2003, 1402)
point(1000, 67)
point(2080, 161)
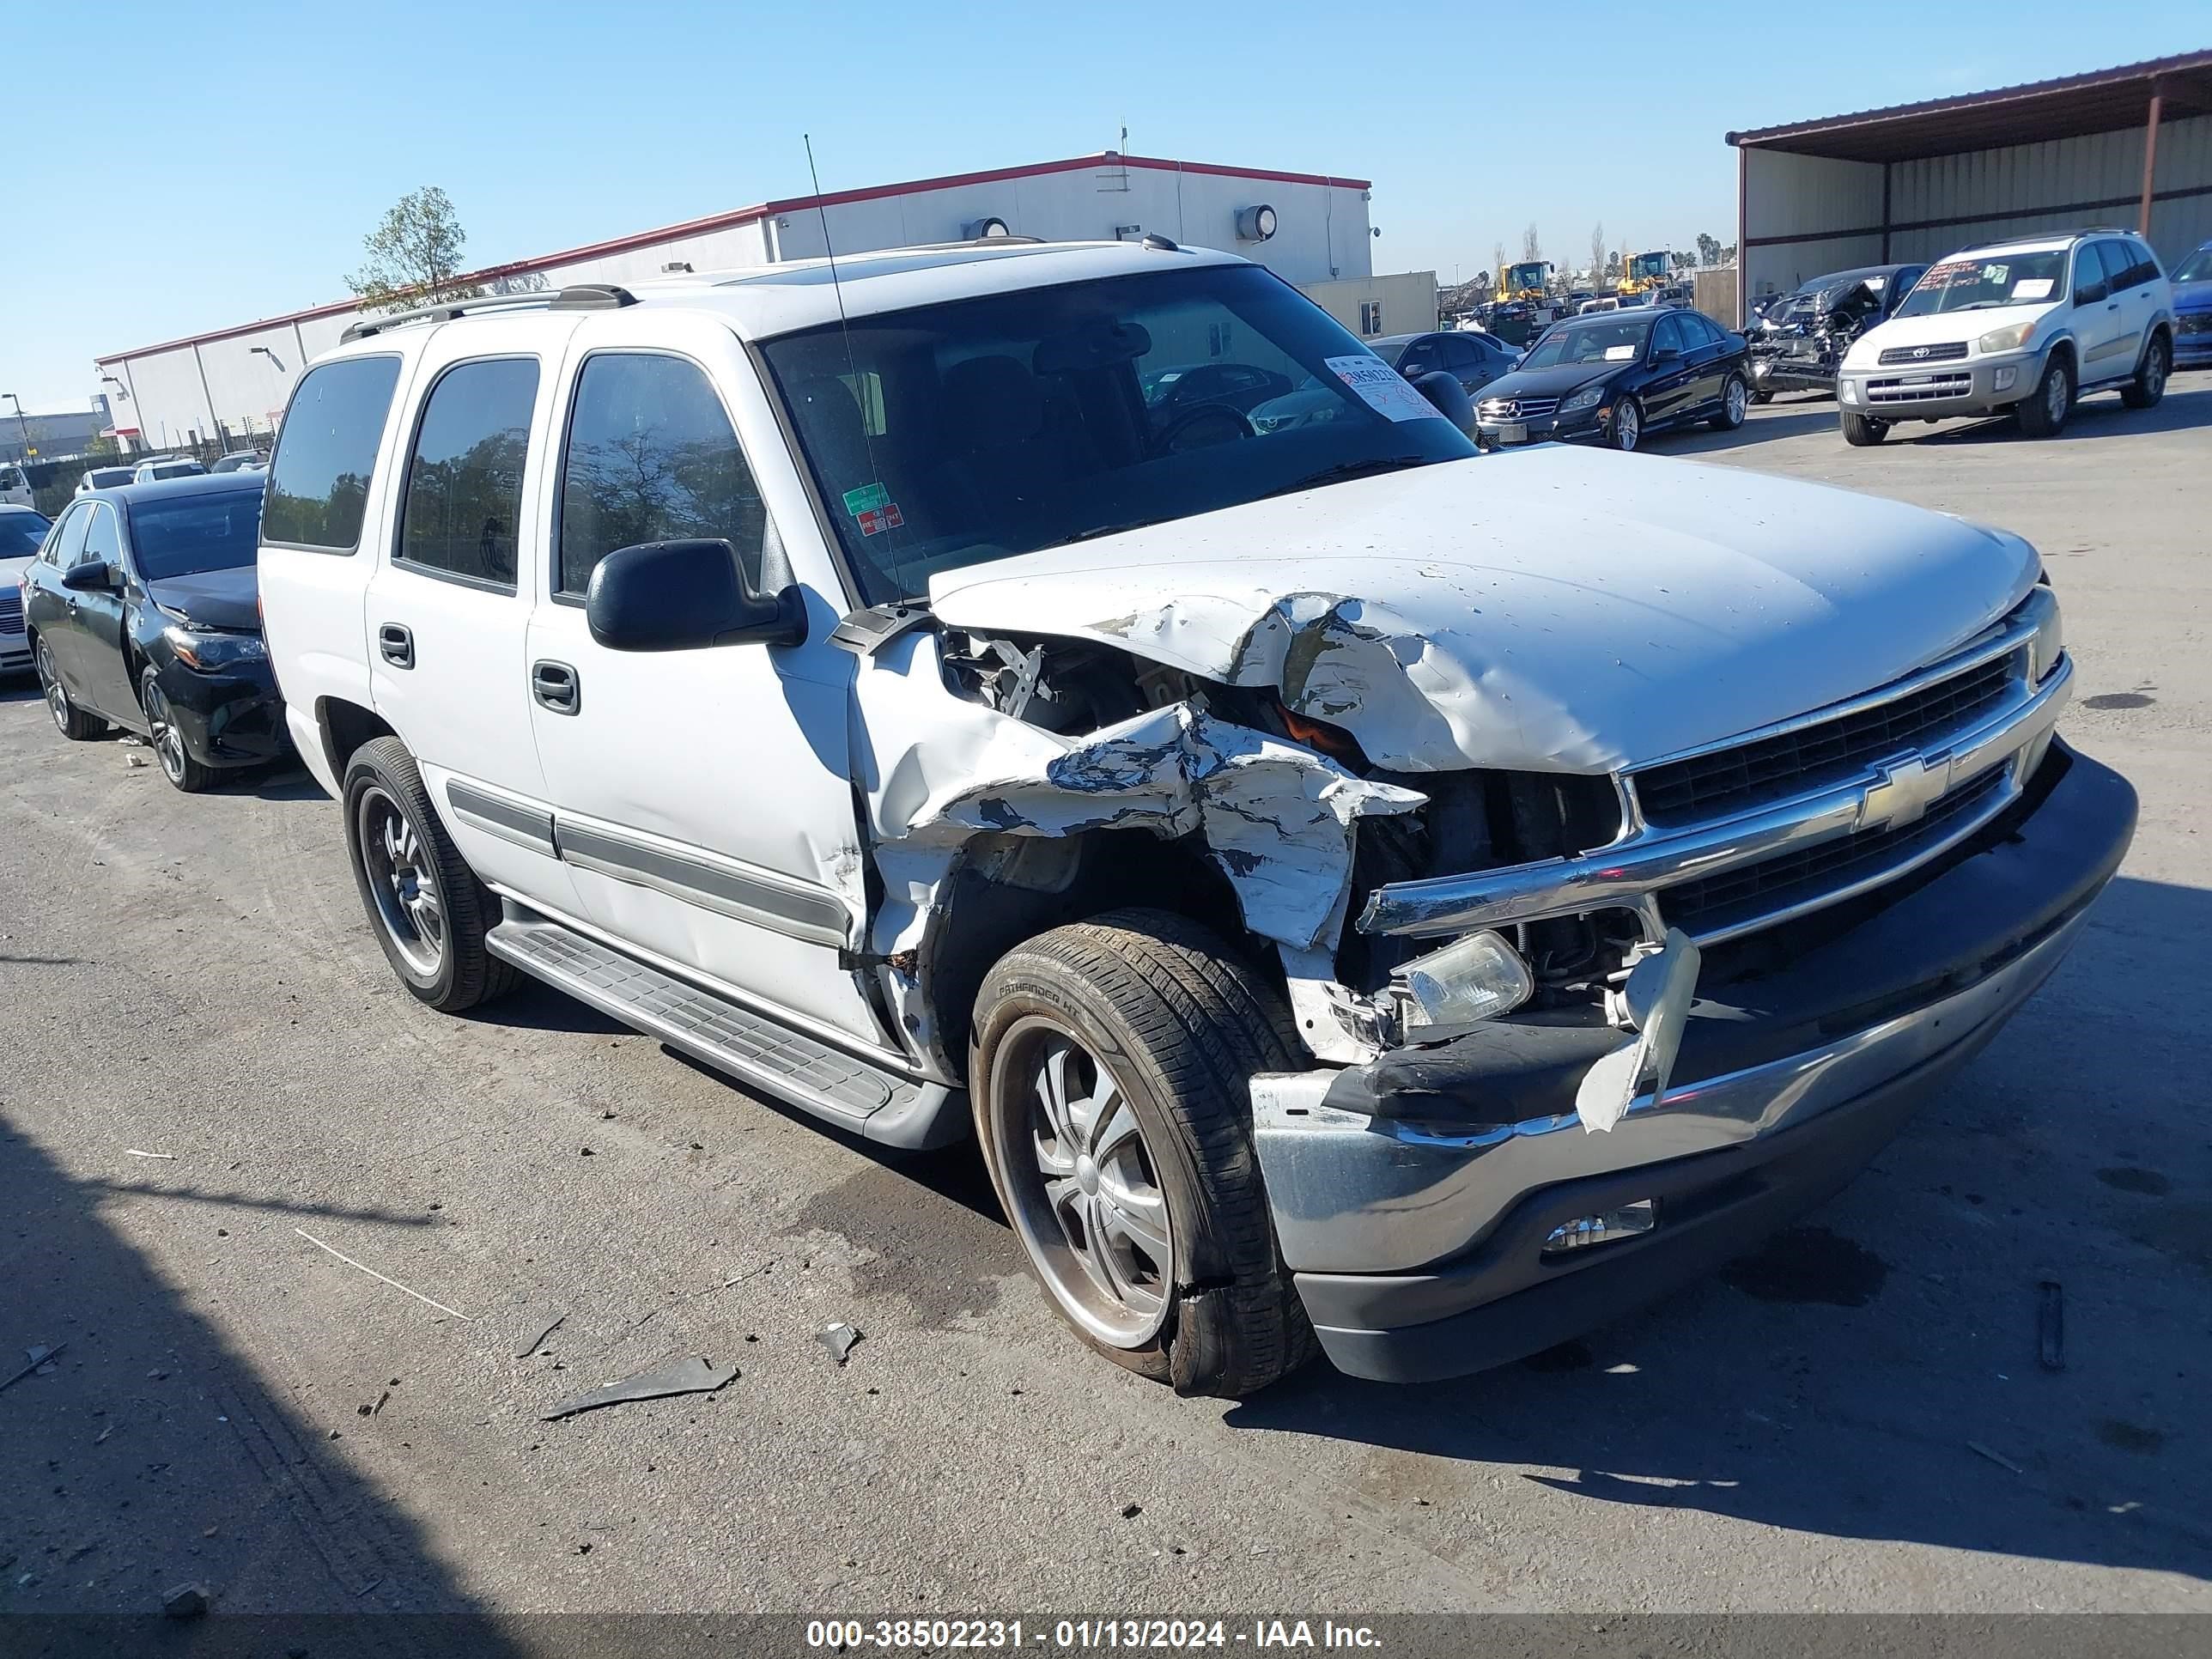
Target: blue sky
point(177, 170)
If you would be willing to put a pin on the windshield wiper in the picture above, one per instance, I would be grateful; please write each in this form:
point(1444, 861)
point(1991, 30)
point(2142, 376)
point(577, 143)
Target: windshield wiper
point(1095, 532)
point(1344, 470)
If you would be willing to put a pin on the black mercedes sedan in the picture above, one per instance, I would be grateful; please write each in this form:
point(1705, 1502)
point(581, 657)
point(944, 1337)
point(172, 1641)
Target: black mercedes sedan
point(1617, 376)
point(143, 613)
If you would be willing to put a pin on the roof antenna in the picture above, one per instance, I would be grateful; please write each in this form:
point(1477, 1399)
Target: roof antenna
point(845, 329)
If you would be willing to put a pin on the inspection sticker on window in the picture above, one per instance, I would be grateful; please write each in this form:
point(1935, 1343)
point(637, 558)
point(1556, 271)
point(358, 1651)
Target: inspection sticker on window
point(868, 498)
point(2033, 288)
point(877, 519)
point(1382, 387)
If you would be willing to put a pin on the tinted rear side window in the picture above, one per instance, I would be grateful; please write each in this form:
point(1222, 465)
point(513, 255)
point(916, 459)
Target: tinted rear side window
point(465, 477)
point(318, 487)
point(652, 456)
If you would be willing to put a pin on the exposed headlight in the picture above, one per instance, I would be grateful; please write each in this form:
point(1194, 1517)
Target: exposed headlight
point(2005, 339)
point(1847, 392)
point(1448, 993)
point(1588, 398)
point(2049, 645)
point(205, 649)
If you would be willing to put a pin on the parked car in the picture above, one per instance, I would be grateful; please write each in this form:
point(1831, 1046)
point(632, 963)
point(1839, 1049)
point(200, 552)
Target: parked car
point(2192, 310)
point(14, 485)
point(160, 467)
point(2025, 326)
point(142, 612)
point(105, 477)
point(239, 460)
point(1474, 360)
point(1286, 854)
point(1616, 377)
point(22, 530)
point(1799, 341)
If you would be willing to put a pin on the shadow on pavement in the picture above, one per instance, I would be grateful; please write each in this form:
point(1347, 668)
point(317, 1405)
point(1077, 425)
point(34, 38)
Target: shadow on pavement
point(2098, 417)
point(1846, 1380)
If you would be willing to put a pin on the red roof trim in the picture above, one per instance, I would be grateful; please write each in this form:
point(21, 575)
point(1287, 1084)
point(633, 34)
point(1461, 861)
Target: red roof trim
point(736, 217)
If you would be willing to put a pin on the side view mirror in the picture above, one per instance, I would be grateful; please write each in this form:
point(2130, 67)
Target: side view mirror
point(92, 576)
point(1449, 398)
point(679, 596)
point(1665, 355)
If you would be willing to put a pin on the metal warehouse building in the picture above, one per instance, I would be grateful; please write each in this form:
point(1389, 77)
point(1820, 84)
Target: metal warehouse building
point(2126, 148)
point(1310, 229)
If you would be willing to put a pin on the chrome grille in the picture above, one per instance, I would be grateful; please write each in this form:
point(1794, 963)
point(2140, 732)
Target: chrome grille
point(1711, 906)
point(1957, 383)
point(1732, 781)
point(1518, 408)
point(1949, 351)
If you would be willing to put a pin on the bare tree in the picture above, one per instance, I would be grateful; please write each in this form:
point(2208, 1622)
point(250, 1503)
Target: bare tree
point(1497, 260)
point(1597, 250)
point(414, 255)
point(1532, 245)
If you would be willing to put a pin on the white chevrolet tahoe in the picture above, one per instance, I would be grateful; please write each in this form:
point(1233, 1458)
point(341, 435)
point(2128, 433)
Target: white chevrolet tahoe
point(2026, 325)
point(1353, 889)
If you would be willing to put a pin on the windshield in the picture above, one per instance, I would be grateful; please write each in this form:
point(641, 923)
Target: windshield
point(2007, 279)
point(1649, 264)
point(1615, 339)
point(104, 477)
point(176, 470)
point(21, 533)
point(1527, 275)
point(2197, 268)
point(954, 434)
point(192, 533)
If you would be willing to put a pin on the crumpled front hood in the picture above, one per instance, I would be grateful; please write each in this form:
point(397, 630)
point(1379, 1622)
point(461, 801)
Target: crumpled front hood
point(1554, 609)
point(213, 598)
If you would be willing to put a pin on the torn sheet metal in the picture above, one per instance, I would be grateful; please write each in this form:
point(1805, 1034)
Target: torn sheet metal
point(838, 1339)
point(1549, 611)
point(1656, 1002)
point(683, 1377)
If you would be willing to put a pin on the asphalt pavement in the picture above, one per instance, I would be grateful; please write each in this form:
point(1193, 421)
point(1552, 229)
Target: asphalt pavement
point(210, 1082)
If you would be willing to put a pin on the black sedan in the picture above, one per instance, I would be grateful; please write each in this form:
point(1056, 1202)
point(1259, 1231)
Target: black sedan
point(1616, 376)
point(1473, 359)
point(143, 613)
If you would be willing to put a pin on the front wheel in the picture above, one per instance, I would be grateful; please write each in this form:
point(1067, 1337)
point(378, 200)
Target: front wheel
point(1627, 428)
point(2148, 386)
point(2042, 414)
point(1735, 403)
point(178, 764)
point(1110, 1081)
point(70, 720)
point(429, 911)
point(1862, 430)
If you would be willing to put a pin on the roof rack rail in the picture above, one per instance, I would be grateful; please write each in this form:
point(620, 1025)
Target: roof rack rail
point(966, 241)
point(576, 296)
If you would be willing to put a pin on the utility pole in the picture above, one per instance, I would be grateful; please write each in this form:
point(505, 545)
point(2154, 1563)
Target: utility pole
point(21, 425)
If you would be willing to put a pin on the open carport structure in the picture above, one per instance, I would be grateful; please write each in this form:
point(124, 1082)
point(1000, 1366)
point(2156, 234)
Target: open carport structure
point(2129, 147)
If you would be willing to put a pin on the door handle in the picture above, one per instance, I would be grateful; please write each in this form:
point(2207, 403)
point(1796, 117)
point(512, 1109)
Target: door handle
point(396, 644)
point(554, 685)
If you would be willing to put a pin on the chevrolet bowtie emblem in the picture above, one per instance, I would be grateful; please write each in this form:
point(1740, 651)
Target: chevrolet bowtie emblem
point(1908, 786)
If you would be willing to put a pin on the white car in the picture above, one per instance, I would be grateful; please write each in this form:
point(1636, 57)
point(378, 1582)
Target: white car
point(239, 460)
point(2026, 325)
point(105, 477)
point(14, 485)
point(166, 466)
point(22, 531)
point(1350, 902)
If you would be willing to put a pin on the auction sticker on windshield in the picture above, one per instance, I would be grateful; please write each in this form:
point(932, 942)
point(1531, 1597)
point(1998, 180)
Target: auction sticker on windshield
point(2034, 288)
point(1381, 388)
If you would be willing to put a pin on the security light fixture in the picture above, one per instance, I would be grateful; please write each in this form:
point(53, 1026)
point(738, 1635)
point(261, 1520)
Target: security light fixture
point(983, 228)
point(1255, 224)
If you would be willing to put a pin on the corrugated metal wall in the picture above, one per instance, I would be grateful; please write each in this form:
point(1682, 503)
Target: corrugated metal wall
point(1806, 200)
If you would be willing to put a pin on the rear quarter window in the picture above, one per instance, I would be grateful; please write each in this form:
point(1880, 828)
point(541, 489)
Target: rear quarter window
point(325, 460)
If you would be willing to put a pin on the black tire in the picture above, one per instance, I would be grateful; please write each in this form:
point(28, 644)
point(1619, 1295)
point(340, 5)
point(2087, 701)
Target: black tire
point(168, 742)
point(450, 970)
point(1762, 398)
point(1863, 430)
point(1733, 407)
point(2043, 413)
point(1624, 435)
point(70, 720)
point(1180, 1023)
point(2148, 389)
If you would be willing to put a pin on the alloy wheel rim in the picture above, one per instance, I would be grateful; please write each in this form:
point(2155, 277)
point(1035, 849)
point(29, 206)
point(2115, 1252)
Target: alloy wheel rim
point(58, 703)
point(1738, 399)
point(168, 741)
point(2156, 377)
point(1629, 424)
point(2054, 398)
point(1085, 1196)
point(402, 882)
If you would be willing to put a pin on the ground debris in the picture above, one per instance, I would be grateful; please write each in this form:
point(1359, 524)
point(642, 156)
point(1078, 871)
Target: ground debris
point(538, 1340)
point(134, 759)
point(2050, 1326)
point(838, 1339)
point(373, 1273)
point(186, 1601)
point(681, 1376)
point(132, 1152)
point(1996, 1457)
point(38, 1356)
